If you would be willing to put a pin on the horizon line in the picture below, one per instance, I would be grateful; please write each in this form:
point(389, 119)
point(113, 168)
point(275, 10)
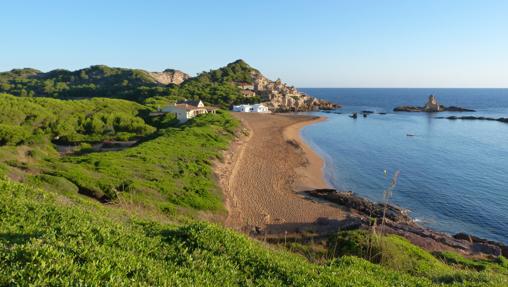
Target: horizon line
point(401, 87)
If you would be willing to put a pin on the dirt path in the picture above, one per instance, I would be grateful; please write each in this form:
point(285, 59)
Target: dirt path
point(267, 169)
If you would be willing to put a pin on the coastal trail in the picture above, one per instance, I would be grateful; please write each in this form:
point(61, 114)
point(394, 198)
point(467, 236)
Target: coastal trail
point(268, 170)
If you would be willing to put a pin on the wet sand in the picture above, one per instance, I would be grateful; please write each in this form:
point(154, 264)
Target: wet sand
point(265, 172)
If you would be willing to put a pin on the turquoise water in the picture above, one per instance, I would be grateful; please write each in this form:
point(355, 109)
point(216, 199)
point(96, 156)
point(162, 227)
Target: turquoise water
point(453, 174)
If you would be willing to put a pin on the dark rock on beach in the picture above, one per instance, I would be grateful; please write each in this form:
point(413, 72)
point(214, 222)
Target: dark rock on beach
point(361, 204)
point(503, 249)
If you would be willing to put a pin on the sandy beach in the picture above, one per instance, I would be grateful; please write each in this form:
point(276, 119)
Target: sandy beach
point(266, 170)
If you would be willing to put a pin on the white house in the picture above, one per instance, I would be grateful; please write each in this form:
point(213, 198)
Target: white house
point(187, 110)
point(256, 108)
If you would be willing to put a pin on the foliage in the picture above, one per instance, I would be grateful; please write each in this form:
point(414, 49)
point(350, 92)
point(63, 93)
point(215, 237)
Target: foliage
point(174, 166)
point(13, 135)
point(22, 119)
point(237, 71)
point(396, 253)
point(219, 87)
point(47, 239)
point(216, 87)
point(95, 81)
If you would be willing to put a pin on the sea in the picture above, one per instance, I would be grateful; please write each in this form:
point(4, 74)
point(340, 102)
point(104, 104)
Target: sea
point(453, 174)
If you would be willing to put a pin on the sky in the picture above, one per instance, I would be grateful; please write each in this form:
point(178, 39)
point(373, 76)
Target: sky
point(319, 43)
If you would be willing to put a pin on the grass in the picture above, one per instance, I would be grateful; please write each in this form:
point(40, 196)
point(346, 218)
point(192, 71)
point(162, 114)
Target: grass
point(50, 239)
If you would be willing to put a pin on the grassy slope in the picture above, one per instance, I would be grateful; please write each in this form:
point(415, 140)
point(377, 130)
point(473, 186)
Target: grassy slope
point(49, 239)
point(175, 166)
point(169, 170)
point(30, 120)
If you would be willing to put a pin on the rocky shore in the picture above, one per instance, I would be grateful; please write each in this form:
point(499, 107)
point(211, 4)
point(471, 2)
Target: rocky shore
point(397, 221)
point(432, 106)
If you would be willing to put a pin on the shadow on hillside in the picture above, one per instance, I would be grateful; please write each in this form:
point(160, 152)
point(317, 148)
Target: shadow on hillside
point(18, 238)
point(321, 228)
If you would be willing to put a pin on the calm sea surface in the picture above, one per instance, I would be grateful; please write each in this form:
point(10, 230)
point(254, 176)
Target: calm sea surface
point(453, 174)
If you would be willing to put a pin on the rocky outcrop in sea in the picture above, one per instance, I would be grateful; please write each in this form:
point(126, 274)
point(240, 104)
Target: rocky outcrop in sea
point(432, 106)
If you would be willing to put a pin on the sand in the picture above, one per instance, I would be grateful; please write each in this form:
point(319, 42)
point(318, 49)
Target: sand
point(265, 171)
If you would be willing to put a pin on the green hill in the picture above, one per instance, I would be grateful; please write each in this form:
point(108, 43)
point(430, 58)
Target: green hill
point(216, 87)
point(95, 81)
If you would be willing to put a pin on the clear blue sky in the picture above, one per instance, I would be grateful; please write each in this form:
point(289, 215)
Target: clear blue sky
point(356, 43)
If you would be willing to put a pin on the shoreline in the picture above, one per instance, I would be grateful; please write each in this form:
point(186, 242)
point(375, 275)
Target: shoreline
point(265, 172)
point(268, 177)
point(311, 176)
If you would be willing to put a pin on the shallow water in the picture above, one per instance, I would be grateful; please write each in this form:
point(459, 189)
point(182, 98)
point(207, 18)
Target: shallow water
point(453, 174)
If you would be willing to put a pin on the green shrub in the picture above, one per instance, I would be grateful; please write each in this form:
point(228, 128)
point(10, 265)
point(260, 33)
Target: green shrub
point(36, 120)
point(12, 135)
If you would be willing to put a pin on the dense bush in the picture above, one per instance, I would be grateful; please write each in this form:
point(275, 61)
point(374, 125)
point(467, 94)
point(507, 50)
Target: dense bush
point(95, 81)
point(70, 121)
point(13, 135)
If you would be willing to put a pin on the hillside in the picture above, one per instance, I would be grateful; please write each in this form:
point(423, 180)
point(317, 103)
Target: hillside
point(248, 85)
point(110, 150)
point(95, 81)
point(51, 239)
point(236, 83)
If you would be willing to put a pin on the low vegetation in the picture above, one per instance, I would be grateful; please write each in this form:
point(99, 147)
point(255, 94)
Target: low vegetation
point(50, 239)
point(30, 120)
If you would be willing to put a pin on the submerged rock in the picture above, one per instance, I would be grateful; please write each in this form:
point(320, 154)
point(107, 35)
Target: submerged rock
point(472, 118)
